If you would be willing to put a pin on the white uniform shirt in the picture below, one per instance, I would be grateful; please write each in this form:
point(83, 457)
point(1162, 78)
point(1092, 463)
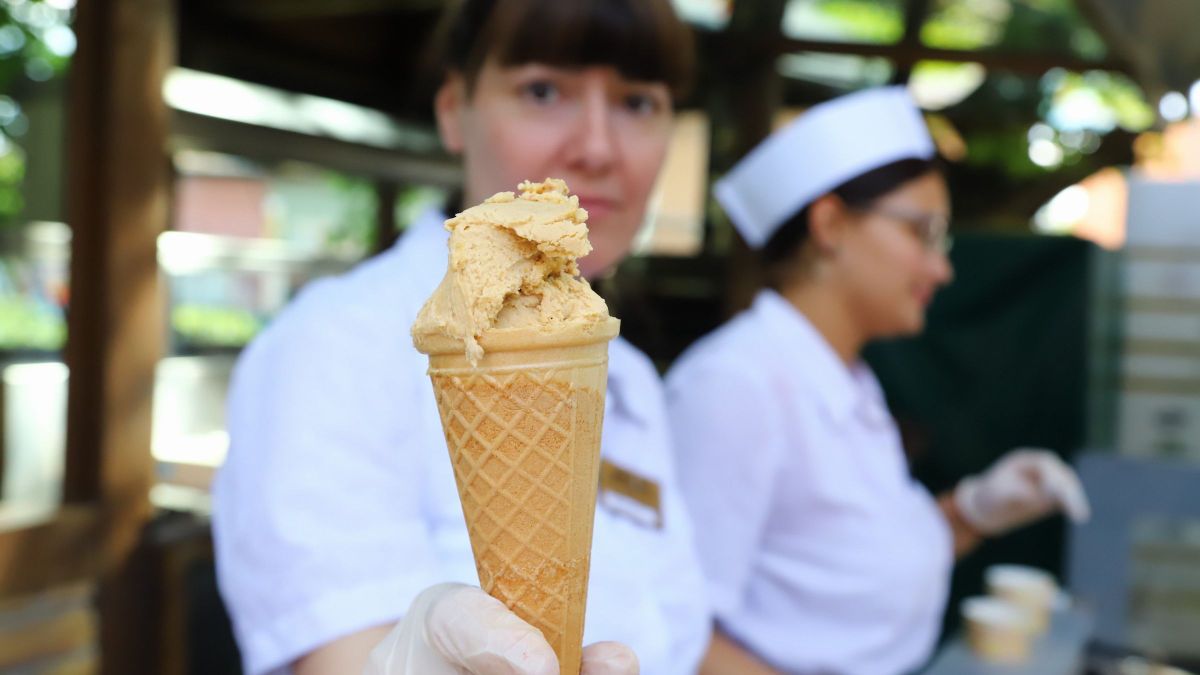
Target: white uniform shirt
point(821, 552)
point(337, 503)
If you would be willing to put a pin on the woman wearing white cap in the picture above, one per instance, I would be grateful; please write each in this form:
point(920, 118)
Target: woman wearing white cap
point(822, 554)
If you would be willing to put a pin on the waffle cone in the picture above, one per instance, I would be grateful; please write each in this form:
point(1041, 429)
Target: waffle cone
point(523, 431)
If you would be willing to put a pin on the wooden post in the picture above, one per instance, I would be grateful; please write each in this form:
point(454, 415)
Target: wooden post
point(915, 12)
point(386, 233)
point(118, 203)
point(753, 91)
point(118, 194)
point(756, 90)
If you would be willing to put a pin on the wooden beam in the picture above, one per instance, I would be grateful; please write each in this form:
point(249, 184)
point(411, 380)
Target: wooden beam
point(1138, 56)
point(905, 56)
point(118, 197)
point(241, 52)
point(201, 132)
point(286, 10)
point(55, 552)
point(49, 627)
point(915, 13)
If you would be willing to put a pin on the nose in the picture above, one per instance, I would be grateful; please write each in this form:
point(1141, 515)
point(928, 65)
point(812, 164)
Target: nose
point(594, 142)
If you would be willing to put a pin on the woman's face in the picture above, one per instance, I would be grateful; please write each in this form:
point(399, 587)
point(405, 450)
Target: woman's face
point(893, 258)
point(604, 134)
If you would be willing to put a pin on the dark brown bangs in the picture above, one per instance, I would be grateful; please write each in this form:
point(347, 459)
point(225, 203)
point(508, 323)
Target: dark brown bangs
point(643, 39)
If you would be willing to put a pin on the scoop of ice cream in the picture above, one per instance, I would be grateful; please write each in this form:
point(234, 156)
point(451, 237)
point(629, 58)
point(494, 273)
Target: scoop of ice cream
point(513, 268)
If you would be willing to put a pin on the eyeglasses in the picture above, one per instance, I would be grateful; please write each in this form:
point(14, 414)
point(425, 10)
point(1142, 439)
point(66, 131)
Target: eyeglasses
point(932, 229)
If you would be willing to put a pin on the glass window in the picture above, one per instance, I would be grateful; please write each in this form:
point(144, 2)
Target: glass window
point(245, 238)
point(36, 43)
point(252, 225)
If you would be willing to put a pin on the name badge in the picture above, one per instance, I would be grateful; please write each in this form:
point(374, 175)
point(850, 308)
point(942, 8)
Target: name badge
point(627, 494)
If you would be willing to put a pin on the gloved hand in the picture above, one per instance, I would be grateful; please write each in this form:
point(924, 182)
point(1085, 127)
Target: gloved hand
point(1022, 486)
point(454, 629)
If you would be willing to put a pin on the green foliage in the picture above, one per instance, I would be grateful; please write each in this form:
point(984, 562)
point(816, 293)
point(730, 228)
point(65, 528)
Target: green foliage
point(415, 199)
point(867, 21)
point(969, 24)
point(1012, 25)
point(1122, 97)
point(209, 326)
point(12, 172)
point(25, 325)
point(360, 208)
point(35, 47)
point(1053, 26)
point(1006, 148)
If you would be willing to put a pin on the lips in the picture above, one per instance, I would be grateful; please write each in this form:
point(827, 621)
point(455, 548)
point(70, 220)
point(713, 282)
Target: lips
point(597, 207)
point(924, 296)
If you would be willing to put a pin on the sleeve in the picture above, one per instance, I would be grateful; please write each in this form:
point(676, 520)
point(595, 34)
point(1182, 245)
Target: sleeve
point(726, 454)
point(318, 520)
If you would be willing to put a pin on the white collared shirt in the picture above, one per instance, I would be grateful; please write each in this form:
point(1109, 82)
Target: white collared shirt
point(822, 554)
point(337, 503)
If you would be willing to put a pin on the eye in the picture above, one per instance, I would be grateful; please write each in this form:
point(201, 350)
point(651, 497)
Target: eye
point(540, 91)
point(642, 104)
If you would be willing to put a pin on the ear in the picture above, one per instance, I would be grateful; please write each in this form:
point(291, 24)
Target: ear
point(827, 223)
point(448, 106)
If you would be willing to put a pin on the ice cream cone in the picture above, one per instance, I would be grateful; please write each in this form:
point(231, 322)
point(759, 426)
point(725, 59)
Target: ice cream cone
point(518, 355)
point(523, 431)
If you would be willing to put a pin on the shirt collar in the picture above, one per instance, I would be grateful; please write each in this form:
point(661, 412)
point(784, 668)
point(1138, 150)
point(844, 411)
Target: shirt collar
point(844, 391)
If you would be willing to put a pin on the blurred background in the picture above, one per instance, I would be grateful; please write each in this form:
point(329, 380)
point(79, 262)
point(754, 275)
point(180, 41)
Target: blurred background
point(173, 172)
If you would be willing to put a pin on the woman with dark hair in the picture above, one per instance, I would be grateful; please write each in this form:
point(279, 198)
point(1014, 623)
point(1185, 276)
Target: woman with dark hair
point(337, 519)
point(822, 554)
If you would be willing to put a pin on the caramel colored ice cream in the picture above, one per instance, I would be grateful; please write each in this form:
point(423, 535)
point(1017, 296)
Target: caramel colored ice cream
point(523, 420)
point(512, 270)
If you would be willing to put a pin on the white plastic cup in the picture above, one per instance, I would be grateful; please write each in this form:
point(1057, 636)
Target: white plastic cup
point(1028, 587)
point(997, 630)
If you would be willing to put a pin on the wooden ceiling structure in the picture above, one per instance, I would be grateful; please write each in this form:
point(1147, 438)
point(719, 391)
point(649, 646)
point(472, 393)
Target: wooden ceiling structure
point(366, 52)
point(372, 52)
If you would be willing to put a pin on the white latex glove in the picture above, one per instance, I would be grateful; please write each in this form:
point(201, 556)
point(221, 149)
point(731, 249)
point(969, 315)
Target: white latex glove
point(454, 629)
point(1022, 486)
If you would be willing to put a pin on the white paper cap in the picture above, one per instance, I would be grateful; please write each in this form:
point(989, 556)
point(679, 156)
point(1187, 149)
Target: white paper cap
point(824, 147)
